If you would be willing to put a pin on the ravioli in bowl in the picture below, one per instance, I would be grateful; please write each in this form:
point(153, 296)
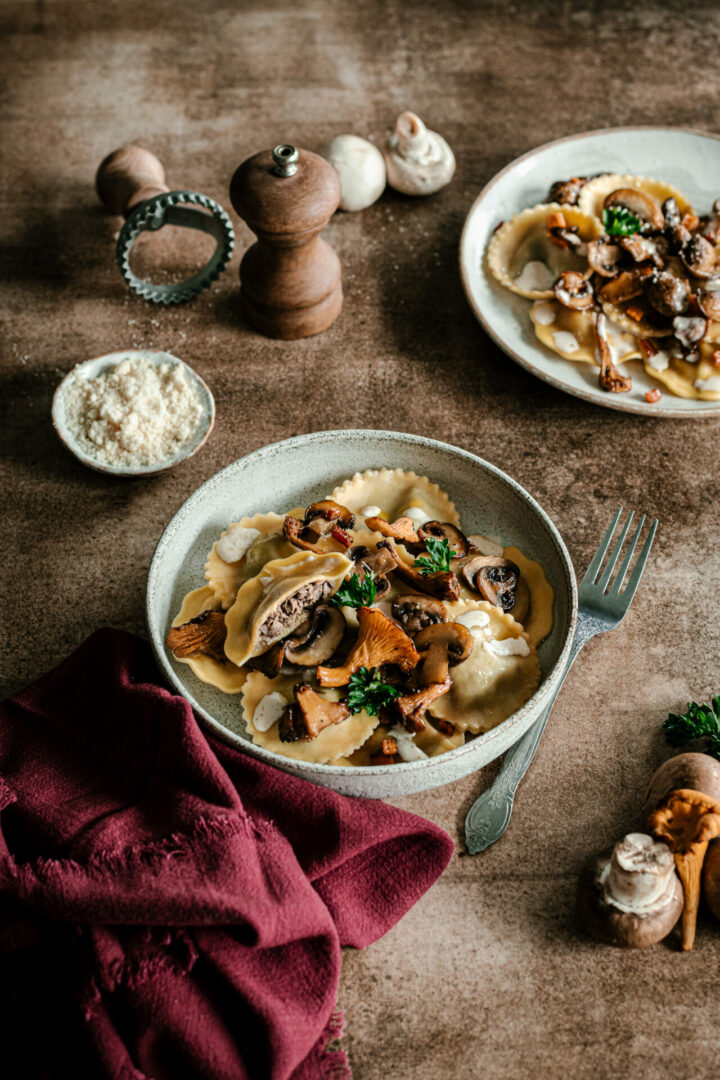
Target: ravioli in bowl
point(366, 628)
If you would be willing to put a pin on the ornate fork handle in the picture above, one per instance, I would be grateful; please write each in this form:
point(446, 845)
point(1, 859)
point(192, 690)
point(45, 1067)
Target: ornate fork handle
point(489, 815)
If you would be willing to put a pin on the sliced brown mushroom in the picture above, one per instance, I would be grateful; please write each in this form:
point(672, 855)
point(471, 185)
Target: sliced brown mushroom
point(574, 290)
point(413, 705)
point(642, 249)
point(441, 583)
point(639, 203)
point(708, 300)
point(403, 529)
point(495, 578)
point(414, 613)
point(443, 530)
point(321, 518)
point(293, 528)
point(317, 640)
point(379, 563)
point(202, 636)
point(689, 329)
point(626, 285)
point(567, 192)
point(610, 378)
point(671, 212)
point(310, 715)
point(604, 257)
point(668, 294)
point(698, 255)
point(379, 641)
point(440, 647)
point(269, 663)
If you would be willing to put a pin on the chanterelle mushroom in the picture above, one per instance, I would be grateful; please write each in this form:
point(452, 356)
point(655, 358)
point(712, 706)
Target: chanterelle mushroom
point(403, 529)
point(631, 896)
point(610, 378)
point(687, 820)
point(311, 713)
point(203, 635)
point(418, 160)
point(413, 705)
point(379, 641)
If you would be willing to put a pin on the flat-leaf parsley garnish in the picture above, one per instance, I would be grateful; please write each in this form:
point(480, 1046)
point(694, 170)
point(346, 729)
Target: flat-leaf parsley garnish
point(619, 221)
point(698, 722)
point(437, 559)
point(367, 691)
point(356, 593)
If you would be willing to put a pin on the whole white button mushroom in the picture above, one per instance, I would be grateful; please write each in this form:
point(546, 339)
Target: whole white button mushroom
point(361, 168)
point(418, 161)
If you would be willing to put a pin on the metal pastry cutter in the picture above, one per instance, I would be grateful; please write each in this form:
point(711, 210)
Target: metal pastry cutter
point(131, 181)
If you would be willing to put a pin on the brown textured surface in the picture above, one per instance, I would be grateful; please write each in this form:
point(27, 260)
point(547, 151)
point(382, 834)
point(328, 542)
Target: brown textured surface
point(488, 976)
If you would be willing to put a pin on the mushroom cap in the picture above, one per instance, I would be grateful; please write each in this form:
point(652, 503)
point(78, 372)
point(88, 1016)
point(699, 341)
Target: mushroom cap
point(638, 203)
point(360, 167)
point(708, 299)
point(626, 285)
point(414, 613)
point(604, 256)
point(612, 926)
point(317, 711)
point(573, 290)
point(418, 160)
point(325, 630)
point(690, 770)
point(445, 530)
point(689, 329)
point(454, 637)
point(495, 578)
point(698, 255)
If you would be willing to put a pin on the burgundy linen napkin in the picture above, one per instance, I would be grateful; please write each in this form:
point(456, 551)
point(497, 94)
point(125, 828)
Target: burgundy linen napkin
point(169, 907)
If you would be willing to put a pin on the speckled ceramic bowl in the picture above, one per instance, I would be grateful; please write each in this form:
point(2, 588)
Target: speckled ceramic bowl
point(89, 370)
point(306, 468)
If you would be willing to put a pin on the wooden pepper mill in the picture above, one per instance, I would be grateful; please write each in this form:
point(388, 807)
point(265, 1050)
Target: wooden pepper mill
point(290, 280)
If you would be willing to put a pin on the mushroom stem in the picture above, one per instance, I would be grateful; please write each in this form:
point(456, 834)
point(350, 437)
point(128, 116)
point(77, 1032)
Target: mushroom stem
point(689, 867)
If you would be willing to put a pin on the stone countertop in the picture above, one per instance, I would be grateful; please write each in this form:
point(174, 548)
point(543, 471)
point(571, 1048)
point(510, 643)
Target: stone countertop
point(488, 975)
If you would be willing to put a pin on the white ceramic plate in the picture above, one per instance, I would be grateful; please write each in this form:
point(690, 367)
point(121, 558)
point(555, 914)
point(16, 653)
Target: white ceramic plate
point(688, 159)
point(89, 369)
point(300, 470)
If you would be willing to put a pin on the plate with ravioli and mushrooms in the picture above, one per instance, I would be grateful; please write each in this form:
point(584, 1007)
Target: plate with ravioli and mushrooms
point(382, 634)
point(594, 262)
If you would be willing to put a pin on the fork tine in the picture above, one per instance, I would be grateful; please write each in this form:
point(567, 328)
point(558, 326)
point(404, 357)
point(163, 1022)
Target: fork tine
point(600, 553)
point(628, 593)
point(617, 583)
point(615, 554)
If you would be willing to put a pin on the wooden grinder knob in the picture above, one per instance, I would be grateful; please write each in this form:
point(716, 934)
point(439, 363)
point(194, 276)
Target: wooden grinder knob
point(290, 280)
point(127, 177)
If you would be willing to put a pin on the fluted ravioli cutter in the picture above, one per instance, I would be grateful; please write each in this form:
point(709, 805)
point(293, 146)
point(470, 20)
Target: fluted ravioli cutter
point(131, 182)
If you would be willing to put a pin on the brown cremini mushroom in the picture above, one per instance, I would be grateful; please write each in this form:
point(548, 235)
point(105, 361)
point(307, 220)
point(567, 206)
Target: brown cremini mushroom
point(688, 770)
point(444, 530)
point(710, 224)
point(642, 249)
point(668, 294)
point(441, 646)
point(698, 255)
point(630, 897)
point(671, 212)
point(495, 578)
point(610, 378)
point(310, 714)
point(604, 257)
point(711, 878)
point(708, 300)
point(379, 641)
point(567, 192)
point(573, 290)
point(687, 820)
point(270, 662)
point(626, 285)
point(414, 613)
point(202, 636)
point(317, 639)
point(379, 563)
point(639, 203)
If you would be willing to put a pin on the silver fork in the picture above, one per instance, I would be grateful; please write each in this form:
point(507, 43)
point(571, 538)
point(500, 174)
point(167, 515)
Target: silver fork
point(601, 607)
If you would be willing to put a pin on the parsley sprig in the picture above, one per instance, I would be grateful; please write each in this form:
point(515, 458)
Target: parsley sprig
point(367, 691)
point(439, 554)
point(619, 221)
point(699, 722)
point(356, 593)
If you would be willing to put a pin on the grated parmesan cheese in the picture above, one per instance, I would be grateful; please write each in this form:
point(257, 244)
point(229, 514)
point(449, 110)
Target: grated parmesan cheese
point(136, 413)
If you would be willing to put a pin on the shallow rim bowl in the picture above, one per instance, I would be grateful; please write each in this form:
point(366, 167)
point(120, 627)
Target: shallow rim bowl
point(327, 456)
point(89, 369)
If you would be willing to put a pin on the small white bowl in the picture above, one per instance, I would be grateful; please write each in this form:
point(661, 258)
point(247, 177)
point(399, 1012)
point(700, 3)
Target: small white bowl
point(295, 473)
point(89, 370)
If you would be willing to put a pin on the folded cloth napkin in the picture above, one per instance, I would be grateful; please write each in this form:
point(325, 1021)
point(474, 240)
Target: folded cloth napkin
point(171, 908)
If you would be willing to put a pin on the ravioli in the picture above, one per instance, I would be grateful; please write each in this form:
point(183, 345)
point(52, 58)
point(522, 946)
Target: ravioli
point(225, 578)
point(338, 740)
point(686, 380)
point(571, 333)
point(594, 193)
point(488, 687)
point(395, 491)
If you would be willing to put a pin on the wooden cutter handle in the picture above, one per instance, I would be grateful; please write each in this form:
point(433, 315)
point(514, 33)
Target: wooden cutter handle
point(127, 177)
